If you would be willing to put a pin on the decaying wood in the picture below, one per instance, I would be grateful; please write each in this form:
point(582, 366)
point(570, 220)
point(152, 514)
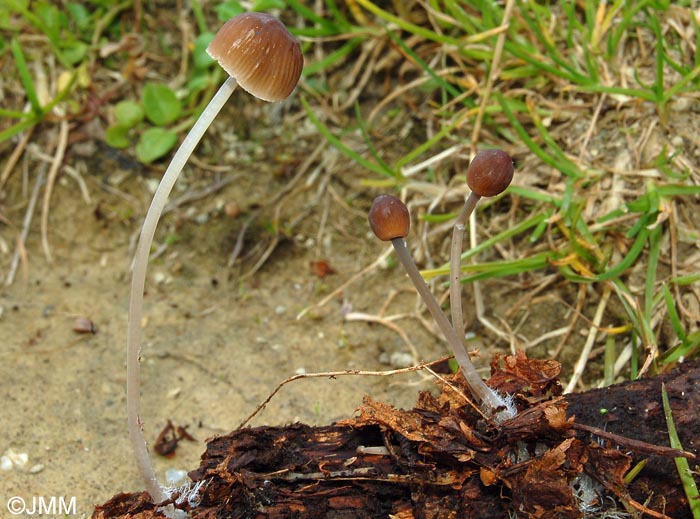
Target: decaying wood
point(441, 460)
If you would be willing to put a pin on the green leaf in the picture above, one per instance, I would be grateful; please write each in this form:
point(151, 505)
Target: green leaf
point(117, 136)
point(53, 19)
point(154, 143)
point(266, 5)
point(79, 14)
point(75, 51)
point(17, 5)
point(161, 105)
point(226, 10)
point(198, 82)
point(128, 114)
point(199, 56)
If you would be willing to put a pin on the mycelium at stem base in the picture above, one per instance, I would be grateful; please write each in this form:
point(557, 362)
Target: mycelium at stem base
point(133, 386)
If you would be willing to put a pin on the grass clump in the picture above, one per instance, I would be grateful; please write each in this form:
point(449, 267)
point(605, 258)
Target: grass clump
point(593, 102)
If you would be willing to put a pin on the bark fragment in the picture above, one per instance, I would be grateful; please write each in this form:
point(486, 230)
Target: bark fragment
point(443, 460)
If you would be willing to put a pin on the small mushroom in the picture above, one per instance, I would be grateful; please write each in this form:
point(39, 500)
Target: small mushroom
point(389, 219)
point(489, 174)
point(264, 58)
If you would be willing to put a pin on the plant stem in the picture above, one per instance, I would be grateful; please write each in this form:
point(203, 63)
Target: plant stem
point(488, 397)
point(160, 198)
point(455, 263)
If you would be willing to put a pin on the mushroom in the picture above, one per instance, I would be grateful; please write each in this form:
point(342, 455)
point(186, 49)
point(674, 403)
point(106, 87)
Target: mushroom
point(489, 174)
point(262, 56)
point(389, 219)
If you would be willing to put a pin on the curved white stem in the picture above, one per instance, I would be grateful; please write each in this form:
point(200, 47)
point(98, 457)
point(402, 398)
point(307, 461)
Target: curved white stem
point(160, 198)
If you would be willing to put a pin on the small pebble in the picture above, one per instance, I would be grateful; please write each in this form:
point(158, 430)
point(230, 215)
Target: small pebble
point(161, 278)
point(5, 463)
point(400, 359)
point(152, 185)
point(84, 325)
point(680, 104)
point(13, 460)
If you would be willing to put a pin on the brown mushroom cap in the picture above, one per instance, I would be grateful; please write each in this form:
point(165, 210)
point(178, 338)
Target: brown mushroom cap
point(490, 172)
point(388, 217)
point(259, 52)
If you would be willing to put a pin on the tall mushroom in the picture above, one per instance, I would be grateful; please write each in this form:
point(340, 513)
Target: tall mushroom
point(260, 54)
point(389, 219)
point(489, 174)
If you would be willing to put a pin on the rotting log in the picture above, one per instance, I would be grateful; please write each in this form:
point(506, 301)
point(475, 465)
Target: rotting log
point(442, 459)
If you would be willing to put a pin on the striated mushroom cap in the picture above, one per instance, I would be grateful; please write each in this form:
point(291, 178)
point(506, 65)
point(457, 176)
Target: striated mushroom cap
point(259, 52)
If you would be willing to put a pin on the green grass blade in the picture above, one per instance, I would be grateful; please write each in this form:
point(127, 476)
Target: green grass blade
point(310, 15)
point(453, 91)
point(19, 127)
point(532, 221)
point(689, 486)
point(630, 257)
point(499, 269)
point(331, 58)
point(408, 26)
point(652, 266)
point(368, 141)
point(685, 280)
point(537, 196)
point(565, 167)
point(530, 14)
point(12, 114)
point(559, 157)
point(673, 316)
point(335, 141)
point(25, 77)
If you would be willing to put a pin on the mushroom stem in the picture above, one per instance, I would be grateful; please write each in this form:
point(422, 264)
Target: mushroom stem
point(489, 398)
point(455, 263)
point(160, 198)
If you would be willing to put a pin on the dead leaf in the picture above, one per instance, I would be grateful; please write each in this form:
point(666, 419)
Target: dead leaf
point(488, 477)
point(531, 378)
point(321, 268)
